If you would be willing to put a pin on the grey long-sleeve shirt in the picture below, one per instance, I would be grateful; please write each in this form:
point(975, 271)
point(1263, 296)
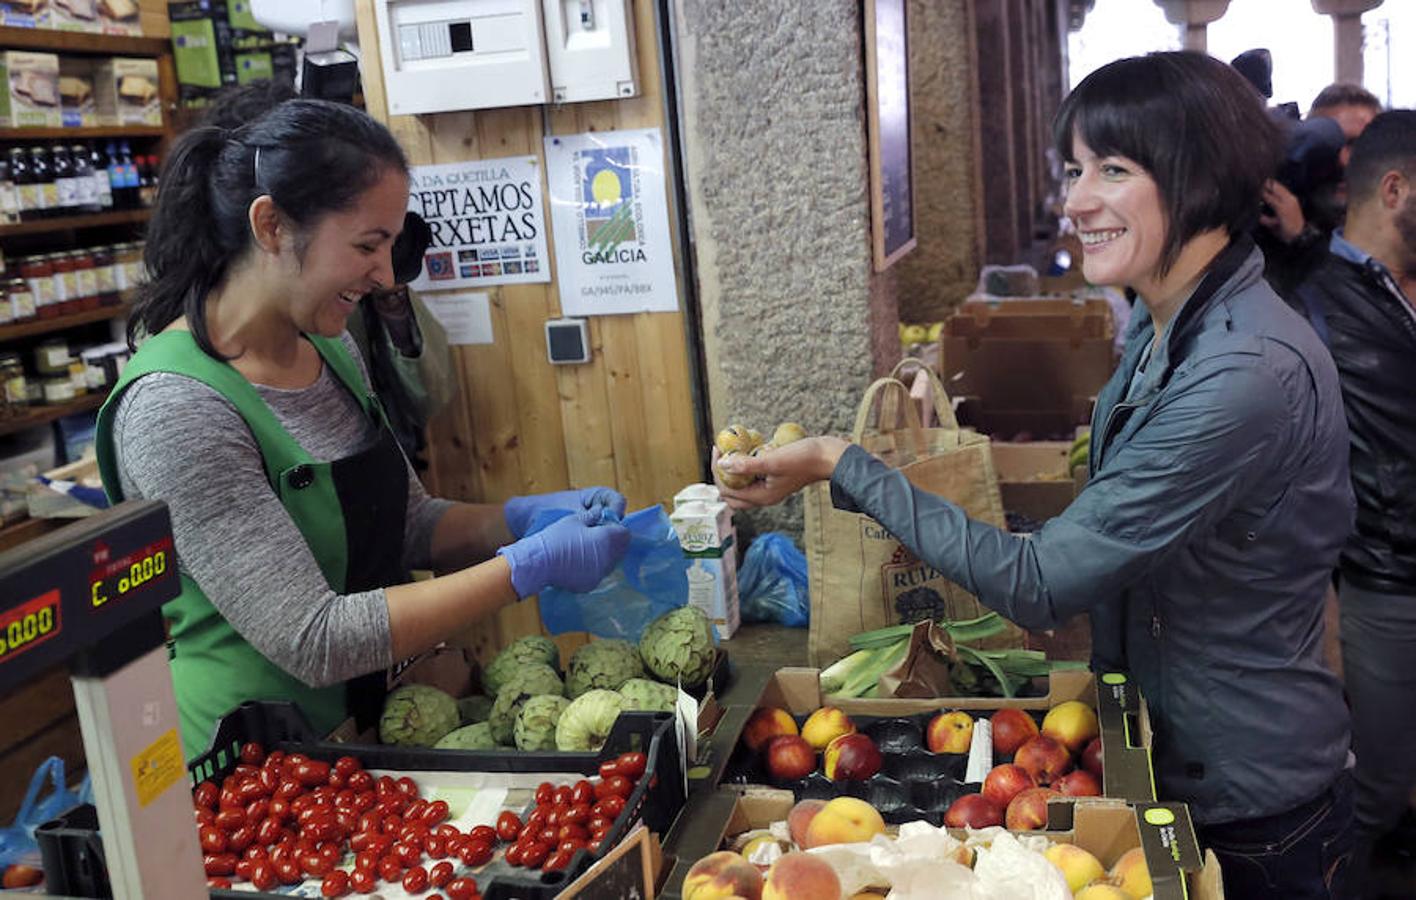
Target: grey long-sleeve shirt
point(179, 441)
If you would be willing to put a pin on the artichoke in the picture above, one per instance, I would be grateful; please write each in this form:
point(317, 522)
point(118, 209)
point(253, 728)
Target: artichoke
point(678, 646)
point(534, 678)
point(534, 649)
point(651, 696)
point(535, 726)
point(474, 708)
point(504, 712)
point(417, 715)
point(586, 722)
point(468, 737)
point(602, 664)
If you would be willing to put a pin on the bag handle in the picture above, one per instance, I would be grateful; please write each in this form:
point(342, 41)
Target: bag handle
point(867, 403)
point(943, 409)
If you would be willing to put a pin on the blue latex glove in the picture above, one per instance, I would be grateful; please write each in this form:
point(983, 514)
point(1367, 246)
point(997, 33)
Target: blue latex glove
point(519, 511)
point(574, 553)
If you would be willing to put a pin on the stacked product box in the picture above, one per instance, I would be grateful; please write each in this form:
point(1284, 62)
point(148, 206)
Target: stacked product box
point(95, 16)
point(30, 94)
point(704, 525)
point(220, 43)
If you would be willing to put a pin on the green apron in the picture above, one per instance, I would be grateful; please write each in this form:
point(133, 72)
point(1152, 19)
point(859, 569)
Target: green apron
point(350, 511)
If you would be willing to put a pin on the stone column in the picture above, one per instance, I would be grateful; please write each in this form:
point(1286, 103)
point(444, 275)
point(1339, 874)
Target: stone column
point(1346, 35)
point(1195, 16)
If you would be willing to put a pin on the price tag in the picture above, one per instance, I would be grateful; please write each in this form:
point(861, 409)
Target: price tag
point(686, 720)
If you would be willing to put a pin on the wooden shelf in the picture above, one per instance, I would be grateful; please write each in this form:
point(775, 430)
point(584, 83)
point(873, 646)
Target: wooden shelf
point(44, 326)
point(97, 132)
point(41, 415)
point(89, 220)
point(82, 42)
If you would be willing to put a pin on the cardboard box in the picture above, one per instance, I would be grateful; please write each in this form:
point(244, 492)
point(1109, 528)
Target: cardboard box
point(75, 15)
point(1034, 478)
point(1120, 709)
point(126, 92)
point(1104, 828)
point(1029, 366)
point(201, 51)
point(78, 106)
point(119, 17)
point(31, 95)
point(25, 13)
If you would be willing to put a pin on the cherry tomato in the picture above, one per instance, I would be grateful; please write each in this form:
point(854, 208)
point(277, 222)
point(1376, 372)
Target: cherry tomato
point(614, 786)
point(335, 884)
point(204, 816)
point(508, 825)
point(316, 864)
point(212, 839)
point(609, 768)
point(257, 810)
point(436, 812)
point(440, 874)
point(475, 852)
point(287, 871)
point(484, 833)
point(596, 822)
point(408, 787)
point(280, 809)
point(571, 845)
point(359, 780)
point(390, 868)
point(412, 833)
point(435, 845)
point(250, 790)
point(610, 807)
point(408, 854)
point(582, 792)
point(255, 852)
point(366, 859)
point(576, 815)
point(533, 854)
point(447, 830)
point(359, 841)
point(281, 852)
point(243, 772)
point(332, 851)
point(336, 780)
point(264, 875)
point(252, 754)
point(548, 835)
point(228, 820)
point(392, 824)
point(545, 793)
point(242, 838)
point(632, 764)
point(243, 868)
point(386, 786)
point(219, 863)
point(289, 789)
point(539, 816)
point(363, 881)
point(564, 794)
point(526, 833)
point(594, 846)
point(347, 765)
point(557, 861)
point(205, 795)
point(461, 889)
point(513, 854)
point(415, 880)
point(312, 773)
point(215, 883)
point(571, 832)
point(415, 810)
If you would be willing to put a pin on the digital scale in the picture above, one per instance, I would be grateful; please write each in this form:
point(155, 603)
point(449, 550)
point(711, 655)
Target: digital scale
point(90, 596)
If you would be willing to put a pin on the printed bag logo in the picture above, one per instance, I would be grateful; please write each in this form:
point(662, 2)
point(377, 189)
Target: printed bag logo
point(912, 590)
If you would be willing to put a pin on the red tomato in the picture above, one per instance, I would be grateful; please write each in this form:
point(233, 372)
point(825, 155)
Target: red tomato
point(539, 816)
point(545, 793)
point(360, 780)
point(289, 789)
point(475, 852)
point(599, 823)
point(364, 800)
point(255, 852)
point(205, 795)
point(564, 795)
point(312, 773)
point(347, 820)
point(513, 854)
point(250, 790)
point(215, 883)
point(461, 889)
point(533, 854)
point(484, 833)
point(204, 816)
point(391, 868)
point(347, 765)
point(447, 830)
point(582, 792)
point(608, 768)
point(264, 875)
point(332, 851)
point(557, 861)
point(553, 818)
point(359, 841)
point(280, 809)
point(408, 787)
point(610, 807)
point(369, 821)
point(632, 764)
point(508, 825)
point(229, 820)
point(571, 832)
point(321, 827)
point(435, 845)
point(436, 812)
point(547, 835)
point(526, 833)
point(257, 810)
point(408, 854)
point(386, 786)
point(392, 824)
point(364, 881)
point(572, 844)
point(415, 880)
point(243, 869)
point(576, 815)
point(336, 780)
point(366, 859)
point(243, 772)
point(287, 871)
point(440, 874)
point(212, 839)
point(594, 846)
point(335, 884)
point(252, 754)
point(242, 838)
point(415, 810)
point(219, 863)
point(316, 864)
point(614, 786)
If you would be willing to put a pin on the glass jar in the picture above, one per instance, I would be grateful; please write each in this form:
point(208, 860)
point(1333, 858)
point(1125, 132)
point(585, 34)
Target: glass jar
point(95, 373)
point(85, 278)
point(14, 396)
point(129, 257)
point(58, 389)
point(107, 279)
point(21, 298)
point(66, 284)
point(39, 273)
point(78, 378)
point(52, 357)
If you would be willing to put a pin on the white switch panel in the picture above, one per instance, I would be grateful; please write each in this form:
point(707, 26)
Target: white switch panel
point(590, 45)
point(448, 55)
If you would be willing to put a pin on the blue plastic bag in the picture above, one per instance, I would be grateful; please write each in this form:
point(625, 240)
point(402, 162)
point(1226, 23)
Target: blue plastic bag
point(650, 580)
point(772, 583)
point(17, 842)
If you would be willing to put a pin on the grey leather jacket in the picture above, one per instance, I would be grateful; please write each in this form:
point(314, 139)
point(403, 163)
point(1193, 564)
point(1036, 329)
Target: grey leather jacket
point(1202, 546)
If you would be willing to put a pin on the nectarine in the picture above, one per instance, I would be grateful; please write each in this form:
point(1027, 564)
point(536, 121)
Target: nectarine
point(1004, 782)
point(1078, 866)
point(789, 758)
point(1011, 727)
point(801, 876)
point(949, 732)
point(851, 757)
point(844, 820)
point(1131, 874)
point(1078, 783)
point(1045, 759)
point(825, 725)
point(1028, 810)
point(973, 811)
point(765, 723)
point(1072, 723)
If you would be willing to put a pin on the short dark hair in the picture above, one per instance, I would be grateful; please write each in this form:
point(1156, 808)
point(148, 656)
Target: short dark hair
point(1386, 144)
point(1345, 94)
point(311, 157)
point(1196, 126)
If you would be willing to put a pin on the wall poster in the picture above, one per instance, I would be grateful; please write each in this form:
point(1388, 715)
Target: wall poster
point(887, 79)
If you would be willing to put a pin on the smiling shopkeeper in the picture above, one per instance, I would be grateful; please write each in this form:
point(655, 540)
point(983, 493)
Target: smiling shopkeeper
point(1218, 498)
point(296, 517)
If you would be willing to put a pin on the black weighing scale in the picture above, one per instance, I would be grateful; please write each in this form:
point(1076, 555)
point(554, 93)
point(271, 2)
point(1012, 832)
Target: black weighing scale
point(90, 596)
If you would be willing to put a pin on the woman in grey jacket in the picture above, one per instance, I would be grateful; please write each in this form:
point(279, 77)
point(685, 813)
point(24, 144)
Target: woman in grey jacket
point(1218, 498)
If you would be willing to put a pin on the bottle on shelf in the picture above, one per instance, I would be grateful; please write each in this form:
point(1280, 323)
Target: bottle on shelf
point(130, 176)
point(117, 176)
point(27, 190)
point(83, 179)
point(9, 201)
point(44, 177)
point(147, 183)
point(66, 189)
point(102, 187)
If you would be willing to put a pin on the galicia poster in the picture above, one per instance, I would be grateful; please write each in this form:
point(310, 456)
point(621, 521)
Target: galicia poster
point(610, 216)
point(487, 220)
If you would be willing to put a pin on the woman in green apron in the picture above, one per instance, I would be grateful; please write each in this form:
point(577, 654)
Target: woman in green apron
point(296, 516)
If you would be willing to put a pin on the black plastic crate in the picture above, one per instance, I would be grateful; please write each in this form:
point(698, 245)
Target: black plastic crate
point(77, 853)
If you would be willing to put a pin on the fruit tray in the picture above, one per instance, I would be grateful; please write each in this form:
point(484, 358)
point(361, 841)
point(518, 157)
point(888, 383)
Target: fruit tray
point(73, 852)
point(913, 783)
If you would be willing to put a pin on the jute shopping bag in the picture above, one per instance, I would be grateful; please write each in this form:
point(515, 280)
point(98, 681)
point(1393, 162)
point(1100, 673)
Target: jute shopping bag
point(860, 576)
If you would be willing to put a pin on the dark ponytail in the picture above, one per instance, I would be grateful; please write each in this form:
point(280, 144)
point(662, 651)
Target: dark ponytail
point(312, 157)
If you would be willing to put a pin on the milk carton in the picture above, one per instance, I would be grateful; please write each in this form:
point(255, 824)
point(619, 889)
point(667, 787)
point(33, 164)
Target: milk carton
point(705, 532)
point(703, 493)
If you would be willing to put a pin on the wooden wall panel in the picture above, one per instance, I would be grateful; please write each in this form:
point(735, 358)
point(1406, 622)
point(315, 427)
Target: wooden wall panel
point(521, 425)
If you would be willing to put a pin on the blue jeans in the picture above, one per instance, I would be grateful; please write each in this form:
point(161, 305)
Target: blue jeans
point(1302, 854)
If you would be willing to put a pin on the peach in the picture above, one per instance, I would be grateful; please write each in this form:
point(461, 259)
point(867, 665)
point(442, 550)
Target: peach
point(851, 757)
point(1078, 866)
point(949, 732)
point(799, 819)
point(1011, 728)
point(844, 820)
point(1079, 783)
point(825, 725)
point(765, 723)
point(1131, 874)
point(801, 876)
point(1004, 782)
point(1100, 891)
point(1045, 759)
point(1072, 724)
point(1028, 810)
point(973, 811)
point(789, 758)
point(720, 875)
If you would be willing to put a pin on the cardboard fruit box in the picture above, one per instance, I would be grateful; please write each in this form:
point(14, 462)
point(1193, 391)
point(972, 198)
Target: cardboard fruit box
point(1104, 828)
point(1121, 714)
